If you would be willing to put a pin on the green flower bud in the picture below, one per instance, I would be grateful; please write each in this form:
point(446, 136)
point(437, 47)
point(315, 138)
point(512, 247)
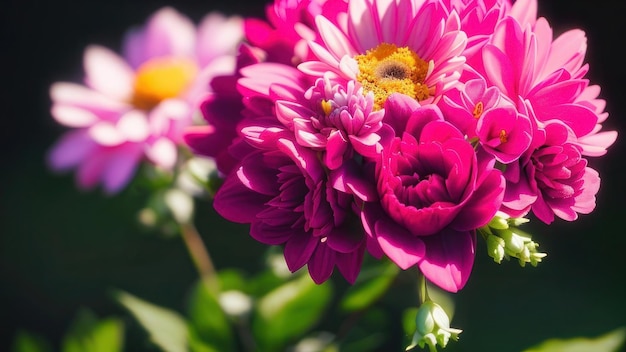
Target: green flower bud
point(432, 327)
point(495, 248)
point(505, 240)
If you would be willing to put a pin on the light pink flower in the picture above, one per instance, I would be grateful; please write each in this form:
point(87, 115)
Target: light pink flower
point(135, 107)
point(406, 47)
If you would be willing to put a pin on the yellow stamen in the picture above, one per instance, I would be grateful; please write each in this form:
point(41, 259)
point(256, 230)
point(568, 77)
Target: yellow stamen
point(503, 136)
point(388, 69)
point(326, 107)
point(161, 78)
point(478, 110)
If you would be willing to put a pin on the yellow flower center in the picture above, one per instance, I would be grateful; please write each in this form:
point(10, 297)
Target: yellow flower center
point(162, 78)
point(388, 69)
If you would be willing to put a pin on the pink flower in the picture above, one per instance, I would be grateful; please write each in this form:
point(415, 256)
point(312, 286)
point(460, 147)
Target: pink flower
point(281, 189)
point(552, 178)
point(478, 20)
point(334, 120)
point(135, 107)
point(389, 47)
point(526, 63)
point(284, 37)
point(485, 114)
point(434, 192)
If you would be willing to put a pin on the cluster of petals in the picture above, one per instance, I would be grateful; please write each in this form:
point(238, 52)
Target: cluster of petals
point(136, 106)
point(324, 165)
point(434, 191)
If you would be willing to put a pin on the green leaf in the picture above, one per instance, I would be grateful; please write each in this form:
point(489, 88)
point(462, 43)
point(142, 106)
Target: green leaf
point(90, 334)
point(609, 342)
point(27, 342)
point(167, 329)
point(371, 284)
point(289, 311)
point(208, 320)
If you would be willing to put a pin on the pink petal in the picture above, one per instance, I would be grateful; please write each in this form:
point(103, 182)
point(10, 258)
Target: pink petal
point(73, 117)
point(398, 244)
point(108, 73)
point(449, 259)
point(121, 167)
point(70, 150)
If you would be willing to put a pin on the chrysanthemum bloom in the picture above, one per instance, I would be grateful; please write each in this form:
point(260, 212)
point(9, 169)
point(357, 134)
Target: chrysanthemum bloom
point(551, 178)
point(435, 191)
point(406, 47)
point(489, 117)
point(334, 120)
point(136, 107)
point(281, 189)
point(525, 62)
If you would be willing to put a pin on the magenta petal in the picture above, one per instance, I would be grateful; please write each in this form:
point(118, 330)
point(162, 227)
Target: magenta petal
point(336, 146)
point(449, 259)
point(345, 239)
point(254, 174)
point(321, 264)
point(238, 203)
point(298, 249)
point(483, 204)
point(269, 233)
point(349, 264)
point(398, 244)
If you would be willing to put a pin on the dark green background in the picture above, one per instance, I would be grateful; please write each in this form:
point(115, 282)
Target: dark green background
point(61, 249)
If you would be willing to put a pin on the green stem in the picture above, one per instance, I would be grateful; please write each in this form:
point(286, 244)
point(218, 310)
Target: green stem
point(200, 257)
point(423, 292)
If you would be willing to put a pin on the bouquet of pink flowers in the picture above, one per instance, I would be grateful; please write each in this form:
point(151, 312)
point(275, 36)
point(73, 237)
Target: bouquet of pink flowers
point(411, 130)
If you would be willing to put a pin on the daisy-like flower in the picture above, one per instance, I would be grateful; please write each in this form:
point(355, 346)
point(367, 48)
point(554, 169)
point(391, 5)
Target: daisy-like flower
point(135, 107)
point(406, 47)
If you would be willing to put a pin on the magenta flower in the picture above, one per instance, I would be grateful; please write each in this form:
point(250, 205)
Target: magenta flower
point(552, 178)
point(283, 192)
point(390, 47)
point(333, 120)
point(136, 107)
point(485, 114)
point(434, 192)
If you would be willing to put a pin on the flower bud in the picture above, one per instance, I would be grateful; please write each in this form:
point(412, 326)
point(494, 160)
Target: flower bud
point(505, 240)
point(432, 327)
